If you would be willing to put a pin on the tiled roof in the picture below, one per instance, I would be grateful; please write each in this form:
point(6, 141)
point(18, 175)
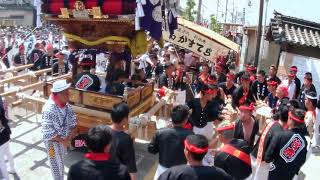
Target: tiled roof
point(294, 31)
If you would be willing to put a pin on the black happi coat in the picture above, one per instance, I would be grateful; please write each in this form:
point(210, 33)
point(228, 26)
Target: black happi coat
point(55, 68)
point(227, 91)
point(5, 131)
point(222, 78)
point(298, 87)
point(238, 131)
point(19, 59)
point(157, 70)
point(166, 81)
point(87, 81)
point(237, 97)
point(232, 165)
point(122, 150)
point(179, 83)
point(287, 152)
point(303, 92)
point(237, 79)
point(282, 103)
point(46, 61)
point(35, 59)
point(186, 172)
point(199, 82)
point(98, 170)
point(259, 90)
point(273, 131)
point(200, 117)
point(168, 142)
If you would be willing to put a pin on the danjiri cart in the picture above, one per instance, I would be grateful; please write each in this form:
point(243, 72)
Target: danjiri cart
point(87, 25)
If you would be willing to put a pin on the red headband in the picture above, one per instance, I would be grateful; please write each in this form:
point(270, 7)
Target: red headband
point(59, 54)
point(295, 118)
point(21, 47)
point(225, 128)
point(236, 153)
point(211, 81)
point(210, 91)
point(231, 76)
point(249, 108)
point(272, 83)
point(245, 79)
point(195, 149)
point(294, 69)
point(291, 75)
point(251, 68)
point(87, 63)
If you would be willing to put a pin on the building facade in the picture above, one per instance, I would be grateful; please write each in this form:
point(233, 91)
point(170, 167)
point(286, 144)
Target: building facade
point(17, 13)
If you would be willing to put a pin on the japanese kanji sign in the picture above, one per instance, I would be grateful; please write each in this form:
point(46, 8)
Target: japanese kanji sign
point(206, 47)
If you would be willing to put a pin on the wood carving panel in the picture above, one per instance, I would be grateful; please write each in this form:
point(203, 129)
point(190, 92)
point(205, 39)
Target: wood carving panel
point(75, 96)
point(100, 101)
point(147, 91)
point(134, 98)
point(90, 121)
point(142, 107)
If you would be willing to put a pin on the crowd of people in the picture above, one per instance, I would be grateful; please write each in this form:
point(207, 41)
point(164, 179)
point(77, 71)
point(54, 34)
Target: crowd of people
point(19, 44)
point(202, 143)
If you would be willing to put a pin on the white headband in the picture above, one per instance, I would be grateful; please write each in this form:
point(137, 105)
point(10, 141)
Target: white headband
point(311, 97)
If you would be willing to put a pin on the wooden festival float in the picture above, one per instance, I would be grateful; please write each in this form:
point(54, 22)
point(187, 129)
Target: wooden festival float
point(92, 25)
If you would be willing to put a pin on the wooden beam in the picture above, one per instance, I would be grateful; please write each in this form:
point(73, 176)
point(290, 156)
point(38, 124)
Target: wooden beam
point(60, 77)
point(156, 108)
point(24, 88)
point(23, 67)
point(12, 79)
point(31, 86)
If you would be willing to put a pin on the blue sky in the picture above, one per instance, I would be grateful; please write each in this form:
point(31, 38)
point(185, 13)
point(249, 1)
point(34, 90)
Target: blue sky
point(305, 9)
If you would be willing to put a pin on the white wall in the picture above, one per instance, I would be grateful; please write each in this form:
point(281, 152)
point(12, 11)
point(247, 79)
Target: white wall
point(304, 64)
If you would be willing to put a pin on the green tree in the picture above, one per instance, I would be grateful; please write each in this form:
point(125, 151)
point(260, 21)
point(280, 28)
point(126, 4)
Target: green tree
point(189, 13)
point(214, 24)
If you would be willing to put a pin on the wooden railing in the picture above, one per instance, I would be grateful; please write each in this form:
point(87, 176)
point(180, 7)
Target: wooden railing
point(19, 68)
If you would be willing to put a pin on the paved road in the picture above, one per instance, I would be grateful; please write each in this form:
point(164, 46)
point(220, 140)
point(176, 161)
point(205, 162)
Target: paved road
point(31, 160)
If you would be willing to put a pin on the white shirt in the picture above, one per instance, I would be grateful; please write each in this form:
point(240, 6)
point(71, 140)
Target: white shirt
point(188, 59)
point(101, 62)
point(291, 89)
point(143, 62)
point(315, 141)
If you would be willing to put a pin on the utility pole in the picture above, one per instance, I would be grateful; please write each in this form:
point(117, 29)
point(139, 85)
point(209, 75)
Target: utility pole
point(226, 13)
point(256, 58)
point(233, 15)
point(199, 11)
point(264, 29)
point(217, 15)
point(244, 16)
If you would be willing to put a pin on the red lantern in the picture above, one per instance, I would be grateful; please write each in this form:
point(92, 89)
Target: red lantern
point(71, 4)
point(91, 3)
point(54, 6)
point(112, 7)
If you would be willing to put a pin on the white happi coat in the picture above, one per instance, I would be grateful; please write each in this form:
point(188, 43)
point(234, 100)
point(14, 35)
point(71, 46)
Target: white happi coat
point(56, 120)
